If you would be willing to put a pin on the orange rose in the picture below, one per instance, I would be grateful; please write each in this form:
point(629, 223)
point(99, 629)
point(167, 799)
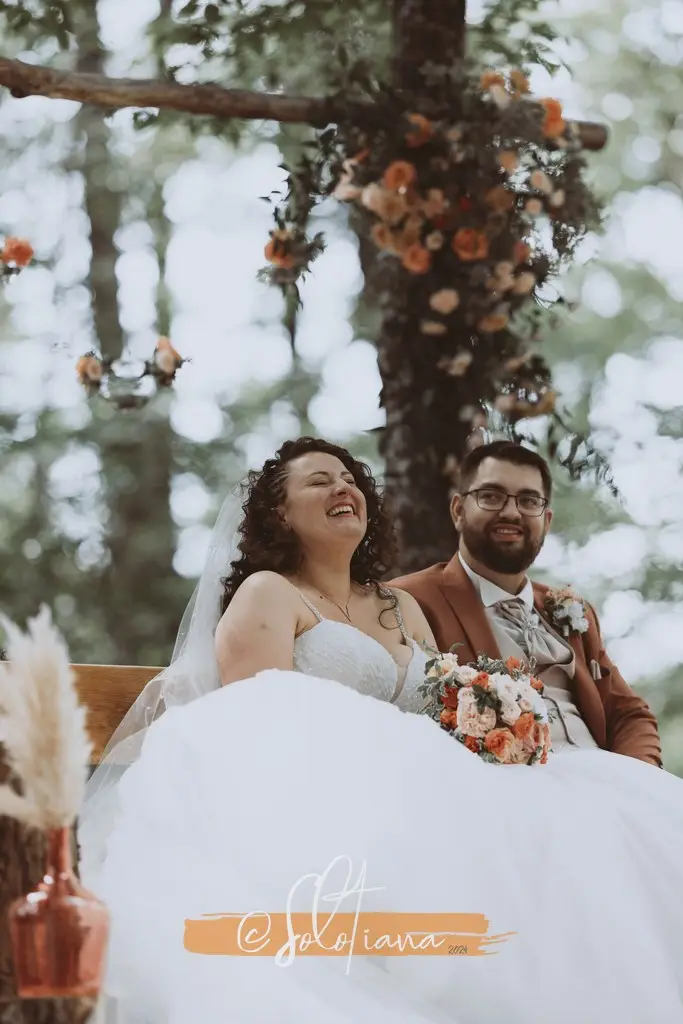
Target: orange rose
point(417, 259)
point(469, 244)
point(512, 663)
point(519, 81)
point(537, 684)
point(490, 78)
point(399, 175)
point(422, 133)
point(481, 680)
point(277, 250)
point(554, 123)
point(493, 323)
point(89, 370)
point(524, 725)
point(500, 743)
point(382, 236)
point(499, 199)
point(472, 744)
point(521, 252)
point(450, 697)
point(449, 718)
point(17, 251)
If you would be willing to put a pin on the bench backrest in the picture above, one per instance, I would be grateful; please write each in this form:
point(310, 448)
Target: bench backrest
point(107, 692)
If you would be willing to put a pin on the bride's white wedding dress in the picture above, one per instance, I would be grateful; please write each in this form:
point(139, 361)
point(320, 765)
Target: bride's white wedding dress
point(241, 794)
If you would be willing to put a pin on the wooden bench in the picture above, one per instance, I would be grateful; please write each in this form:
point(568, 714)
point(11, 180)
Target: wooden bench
point(108, 692)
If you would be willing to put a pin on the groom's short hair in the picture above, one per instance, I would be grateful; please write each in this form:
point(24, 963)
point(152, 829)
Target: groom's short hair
point(504, 451)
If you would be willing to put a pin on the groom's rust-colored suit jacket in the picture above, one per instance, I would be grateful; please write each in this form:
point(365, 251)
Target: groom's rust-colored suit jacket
point(618, 719)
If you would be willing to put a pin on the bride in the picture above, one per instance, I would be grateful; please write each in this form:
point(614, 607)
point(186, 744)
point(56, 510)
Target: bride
point(288, 775)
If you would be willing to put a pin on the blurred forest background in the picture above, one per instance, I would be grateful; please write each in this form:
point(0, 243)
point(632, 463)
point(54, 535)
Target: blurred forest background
point(153, 226)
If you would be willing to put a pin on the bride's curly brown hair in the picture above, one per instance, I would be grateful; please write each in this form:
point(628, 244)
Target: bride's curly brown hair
point(266, 542)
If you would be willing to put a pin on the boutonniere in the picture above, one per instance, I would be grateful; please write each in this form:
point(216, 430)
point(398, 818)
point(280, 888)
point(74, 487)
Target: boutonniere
point(566, 610)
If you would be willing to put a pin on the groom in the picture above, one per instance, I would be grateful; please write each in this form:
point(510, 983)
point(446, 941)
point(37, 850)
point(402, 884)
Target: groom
point(483, 600)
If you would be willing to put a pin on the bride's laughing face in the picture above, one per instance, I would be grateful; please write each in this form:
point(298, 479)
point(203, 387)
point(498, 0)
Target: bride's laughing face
point(323, 505)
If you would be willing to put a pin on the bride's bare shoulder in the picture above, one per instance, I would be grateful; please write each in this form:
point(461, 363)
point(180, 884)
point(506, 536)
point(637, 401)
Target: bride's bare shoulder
point(263, 586)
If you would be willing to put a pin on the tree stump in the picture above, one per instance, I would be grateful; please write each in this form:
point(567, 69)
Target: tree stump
point(22, 866)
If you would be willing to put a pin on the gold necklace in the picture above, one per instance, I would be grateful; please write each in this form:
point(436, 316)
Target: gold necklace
point(344, 610)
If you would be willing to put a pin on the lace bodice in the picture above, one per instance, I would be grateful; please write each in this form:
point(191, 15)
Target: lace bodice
point(335, 650)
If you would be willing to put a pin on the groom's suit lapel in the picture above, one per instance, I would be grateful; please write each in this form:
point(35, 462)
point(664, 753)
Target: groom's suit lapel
point(467, 608)
point(585, 689)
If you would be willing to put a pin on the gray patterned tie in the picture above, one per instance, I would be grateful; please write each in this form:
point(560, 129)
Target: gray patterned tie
point(529, 631)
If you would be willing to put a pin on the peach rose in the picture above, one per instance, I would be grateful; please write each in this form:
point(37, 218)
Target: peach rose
point(445, 301)
point(432, 327)
point(17, 251)
point(537, 684)
point(539, 180)
point(422, 131)
point(500, 743)
point(524, 283)
point(411, 231)
point(554, 123)
point(512, 664)
point(509, 160)
point(469, 244)
point(416, 259)
point(388, 206)
point(382, 236)
point(472, 722)
point(490, 78)
point(519, 753)
point(457, 366)
point(435, 203)
point(399, 175)
point(519, 81)
point(493, 323)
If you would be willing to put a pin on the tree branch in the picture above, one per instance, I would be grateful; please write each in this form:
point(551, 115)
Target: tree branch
point(212, 100)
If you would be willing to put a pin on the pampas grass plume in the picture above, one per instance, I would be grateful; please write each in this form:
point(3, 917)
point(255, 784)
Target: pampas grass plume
point(42, 727)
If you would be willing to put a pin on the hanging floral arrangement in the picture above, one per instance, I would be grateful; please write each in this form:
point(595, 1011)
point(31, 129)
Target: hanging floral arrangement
point(478, 202)
point(99, 377)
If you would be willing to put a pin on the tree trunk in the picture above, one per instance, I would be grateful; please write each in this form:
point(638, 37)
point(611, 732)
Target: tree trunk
point(425, 436)
point(141, 610)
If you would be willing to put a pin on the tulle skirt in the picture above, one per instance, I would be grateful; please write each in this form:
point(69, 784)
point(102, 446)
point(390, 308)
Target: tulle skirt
point(274, 794)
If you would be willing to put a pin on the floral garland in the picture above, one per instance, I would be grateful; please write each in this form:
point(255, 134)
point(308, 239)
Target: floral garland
point(478, 208)
point(98, 377)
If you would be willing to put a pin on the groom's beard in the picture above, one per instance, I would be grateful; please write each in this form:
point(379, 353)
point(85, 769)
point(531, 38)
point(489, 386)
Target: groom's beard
point(496, 555)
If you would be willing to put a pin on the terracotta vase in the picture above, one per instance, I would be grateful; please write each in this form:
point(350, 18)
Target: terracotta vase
point(59, 931)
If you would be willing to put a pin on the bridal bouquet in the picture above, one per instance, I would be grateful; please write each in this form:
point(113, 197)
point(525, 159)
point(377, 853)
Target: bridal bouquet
point(494, 708)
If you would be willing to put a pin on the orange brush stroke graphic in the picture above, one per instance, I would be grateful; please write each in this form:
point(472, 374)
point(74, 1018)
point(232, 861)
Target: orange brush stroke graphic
point(373, 933)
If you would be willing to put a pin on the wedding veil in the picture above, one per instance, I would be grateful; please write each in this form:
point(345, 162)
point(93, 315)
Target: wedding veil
point(193, 672)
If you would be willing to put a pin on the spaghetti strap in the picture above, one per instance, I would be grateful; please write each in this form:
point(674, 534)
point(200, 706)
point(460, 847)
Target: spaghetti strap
point(311, 607)
point(399, 615)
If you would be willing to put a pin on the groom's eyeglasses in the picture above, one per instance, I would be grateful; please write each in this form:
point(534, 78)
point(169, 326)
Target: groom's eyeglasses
point(495, 501)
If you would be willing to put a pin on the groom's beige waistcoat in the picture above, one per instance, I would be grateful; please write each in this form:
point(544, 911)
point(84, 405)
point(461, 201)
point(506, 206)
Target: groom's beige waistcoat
point(594, 702)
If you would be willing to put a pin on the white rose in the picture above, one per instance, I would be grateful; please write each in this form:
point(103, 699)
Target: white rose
point(510, 711)
point(465, 674)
